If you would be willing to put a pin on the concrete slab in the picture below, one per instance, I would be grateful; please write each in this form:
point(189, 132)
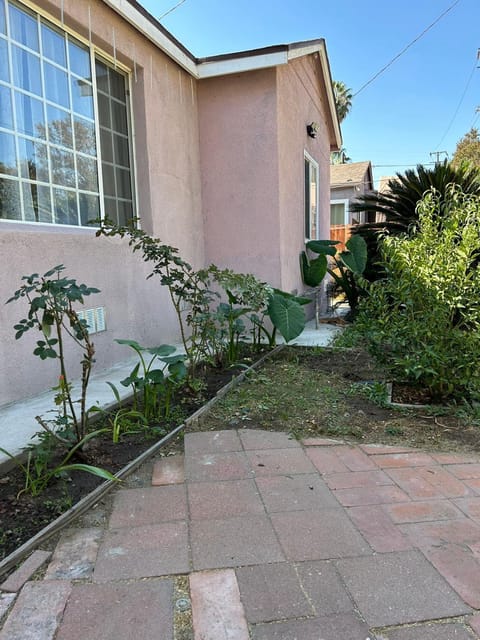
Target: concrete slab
point(25, 571)
point(390, 589)
point(168, 470)
point(220, 500)
point(152, 505)
point(217, 466)
point(233, 542)
point(260, 439)
point(37, 611)
point(321, 582)
point(211, 442)
point(429, 631)
point(318, 535)
point(276, 462)
point(216, 607)
point(272, 592)
point(143, 552)
point(142, 610)
point(75, 554)
point(346, 626)
point(295, 493)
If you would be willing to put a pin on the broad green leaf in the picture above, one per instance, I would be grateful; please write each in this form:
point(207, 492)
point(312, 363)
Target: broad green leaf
point(313, 271)
point(162, 350)
point(287, 316)
point(155, 376)
point(355, 258)
point(323, 247)
point(130, 343)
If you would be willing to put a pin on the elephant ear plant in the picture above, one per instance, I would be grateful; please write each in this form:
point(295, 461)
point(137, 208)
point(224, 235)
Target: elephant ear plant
point(346, 267)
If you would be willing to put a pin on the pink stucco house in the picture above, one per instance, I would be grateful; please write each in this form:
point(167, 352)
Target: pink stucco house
point(103, 112)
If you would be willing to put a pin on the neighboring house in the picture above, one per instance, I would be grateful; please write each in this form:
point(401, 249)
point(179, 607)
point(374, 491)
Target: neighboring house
point(103, 112)
point(347, 182)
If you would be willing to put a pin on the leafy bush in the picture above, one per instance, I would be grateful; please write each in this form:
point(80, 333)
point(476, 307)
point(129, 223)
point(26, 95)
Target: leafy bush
point(423, 319)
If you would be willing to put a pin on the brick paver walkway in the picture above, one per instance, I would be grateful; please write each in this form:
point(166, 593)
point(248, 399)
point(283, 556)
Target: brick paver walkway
point(279, 539)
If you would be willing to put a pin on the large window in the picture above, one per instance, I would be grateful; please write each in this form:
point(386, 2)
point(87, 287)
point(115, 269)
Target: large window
point(311, 198)
point(64, 139)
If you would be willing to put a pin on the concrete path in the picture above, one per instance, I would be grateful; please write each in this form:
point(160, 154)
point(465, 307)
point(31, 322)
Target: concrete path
point(253, 535)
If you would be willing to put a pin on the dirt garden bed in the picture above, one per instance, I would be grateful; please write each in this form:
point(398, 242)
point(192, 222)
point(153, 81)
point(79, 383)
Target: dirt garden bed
point(305, 391)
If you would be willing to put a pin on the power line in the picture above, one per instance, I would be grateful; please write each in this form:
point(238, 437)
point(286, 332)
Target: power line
point(389, 64)
point(170, 10)
point(459, 104)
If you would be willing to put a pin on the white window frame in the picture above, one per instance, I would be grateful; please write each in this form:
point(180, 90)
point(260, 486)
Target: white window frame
point(311, 162)
point(95, 53)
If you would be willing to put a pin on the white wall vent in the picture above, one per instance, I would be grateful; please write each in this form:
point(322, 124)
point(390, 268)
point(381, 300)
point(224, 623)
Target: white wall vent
point(95, 319)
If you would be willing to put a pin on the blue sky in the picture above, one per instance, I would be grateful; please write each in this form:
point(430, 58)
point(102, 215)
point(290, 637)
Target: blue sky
point(408, 112)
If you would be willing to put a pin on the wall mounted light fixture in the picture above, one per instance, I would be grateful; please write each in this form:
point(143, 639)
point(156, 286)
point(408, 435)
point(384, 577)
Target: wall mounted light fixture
point(312, 129)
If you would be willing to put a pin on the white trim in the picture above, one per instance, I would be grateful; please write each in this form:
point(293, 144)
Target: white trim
point(215, 68)
point(313, 162)
point(150, 31)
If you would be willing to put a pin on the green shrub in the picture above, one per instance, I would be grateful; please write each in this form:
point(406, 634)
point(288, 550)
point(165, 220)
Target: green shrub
point(423, 319)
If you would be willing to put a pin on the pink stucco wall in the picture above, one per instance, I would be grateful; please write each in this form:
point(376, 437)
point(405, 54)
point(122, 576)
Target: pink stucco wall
point(239, 159)
point(167, 159)
point(301, 100)
point(252, 142)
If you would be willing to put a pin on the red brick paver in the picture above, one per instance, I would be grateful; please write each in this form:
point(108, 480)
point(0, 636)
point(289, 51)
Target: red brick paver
point(285, 539)
point(18, 578)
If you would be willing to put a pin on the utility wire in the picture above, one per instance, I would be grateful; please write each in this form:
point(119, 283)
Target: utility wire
point(459, 104)
point(170, 10)
point(389, 64)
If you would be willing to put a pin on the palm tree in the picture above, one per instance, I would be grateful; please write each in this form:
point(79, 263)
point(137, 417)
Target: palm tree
point(398, 205)
point(343, 99)
point(396, 208)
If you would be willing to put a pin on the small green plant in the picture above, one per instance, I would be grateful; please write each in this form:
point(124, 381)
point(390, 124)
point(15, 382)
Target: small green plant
point(39, 472)
point(374, 391)
point(153, 388)
point(51, 299)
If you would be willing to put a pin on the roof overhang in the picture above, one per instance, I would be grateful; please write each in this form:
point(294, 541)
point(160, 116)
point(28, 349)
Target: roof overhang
point(231, 63)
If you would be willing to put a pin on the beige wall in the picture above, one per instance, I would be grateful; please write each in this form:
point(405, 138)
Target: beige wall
point(169, 204)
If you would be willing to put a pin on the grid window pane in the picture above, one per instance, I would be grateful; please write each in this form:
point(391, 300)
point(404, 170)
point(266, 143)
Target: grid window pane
point(119, 118)
point(8, 155)
point(106, 144)
point(49, 166)
point(82, 96)
point(26, 71)
point(59, 126)
point(53, 44)
point(2, 18)
point(63, 167)
point(10, 206)
point(30, 118)
point(87, 174)
point(6, 113)
point(121, 152)
point(89, 208)
point(65, 207)
point(33, 159)
point(37, 204)
point(4, 70)
point(84, 136)
point(56, 85)
point(23, 27)
point(79, 60)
